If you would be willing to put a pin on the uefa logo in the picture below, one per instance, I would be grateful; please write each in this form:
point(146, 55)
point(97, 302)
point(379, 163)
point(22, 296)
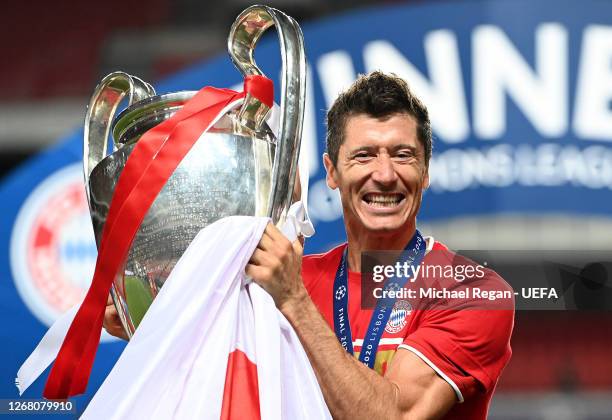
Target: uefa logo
point(52, 248)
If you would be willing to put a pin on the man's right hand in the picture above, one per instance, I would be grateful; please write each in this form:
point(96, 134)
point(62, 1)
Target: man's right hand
point(112, 322)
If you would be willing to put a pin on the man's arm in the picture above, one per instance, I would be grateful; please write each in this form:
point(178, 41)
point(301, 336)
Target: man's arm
point(410, 389)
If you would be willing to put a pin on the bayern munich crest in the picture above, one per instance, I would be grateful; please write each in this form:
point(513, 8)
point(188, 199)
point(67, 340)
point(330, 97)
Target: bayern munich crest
point(399, 317)
point(52, 249)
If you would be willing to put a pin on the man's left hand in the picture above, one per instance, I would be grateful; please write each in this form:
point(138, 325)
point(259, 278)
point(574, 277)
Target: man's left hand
point(276, 266)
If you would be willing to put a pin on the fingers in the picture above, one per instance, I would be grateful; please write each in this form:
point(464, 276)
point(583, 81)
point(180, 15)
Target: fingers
point(273, 232)
point(273, 252)
point(298, 246)
point(266, 242)
point(272, 237)
point(261, 257)
point(112, 323)
point(276, 265)
point(257, 272)
point(273, 241)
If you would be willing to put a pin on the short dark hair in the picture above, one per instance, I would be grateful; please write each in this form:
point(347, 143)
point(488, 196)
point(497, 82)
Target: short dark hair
point(378, 95)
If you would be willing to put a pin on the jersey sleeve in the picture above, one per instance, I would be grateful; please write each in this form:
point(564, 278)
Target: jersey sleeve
point(468, 347)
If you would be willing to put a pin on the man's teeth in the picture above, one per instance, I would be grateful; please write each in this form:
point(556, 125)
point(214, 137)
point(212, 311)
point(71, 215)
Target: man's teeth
point(383, 200)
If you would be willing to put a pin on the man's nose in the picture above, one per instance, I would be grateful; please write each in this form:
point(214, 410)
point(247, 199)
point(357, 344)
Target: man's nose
point(384, 172)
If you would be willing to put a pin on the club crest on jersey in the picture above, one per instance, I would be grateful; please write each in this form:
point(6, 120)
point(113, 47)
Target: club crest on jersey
point(53, 252)
point(398, 318)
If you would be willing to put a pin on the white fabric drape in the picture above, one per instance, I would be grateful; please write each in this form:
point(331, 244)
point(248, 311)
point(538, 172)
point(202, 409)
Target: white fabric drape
point(175, 364)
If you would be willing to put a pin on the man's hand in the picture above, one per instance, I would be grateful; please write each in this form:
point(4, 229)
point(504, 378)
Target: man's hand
point(112, 323)
point(276, 266)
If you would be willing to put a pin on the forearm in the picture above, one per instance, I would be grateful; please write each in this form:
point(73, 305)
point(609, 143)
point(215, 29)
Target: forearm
point(351, 389)
point(410, 388)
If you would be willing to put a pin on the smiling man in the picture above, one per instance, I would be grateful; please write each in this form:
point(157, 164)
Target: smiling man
point(424, 363)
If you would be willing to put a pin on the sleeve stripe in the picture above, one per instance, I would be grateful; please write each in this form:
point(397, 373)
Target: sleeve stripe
point(436, 369)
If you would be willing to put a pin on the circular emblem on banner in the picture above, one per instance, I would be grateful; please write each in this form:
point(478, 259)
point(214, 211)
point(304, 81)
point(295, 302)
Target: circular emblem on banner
point(53, 252)
point(340, 292)
point(397, 320)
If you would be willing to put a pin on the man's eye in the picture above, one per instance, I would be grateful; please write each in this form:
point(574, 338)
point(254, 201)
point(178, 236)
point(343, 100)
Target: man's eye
point(404, 155)
point(362, 156)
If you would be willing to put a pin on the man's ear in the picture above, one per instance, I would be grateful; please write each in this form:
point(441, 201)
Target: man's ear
point(332, 173)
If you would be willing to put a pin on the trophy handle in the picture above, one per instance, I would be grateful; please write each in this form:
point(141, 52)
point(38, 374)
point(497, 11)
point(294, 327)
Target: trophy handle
point(244, 34)
point(100, 113)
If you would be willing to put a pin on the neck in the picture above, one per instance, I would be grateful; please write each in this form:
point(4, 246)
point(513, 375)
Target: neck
point(359, 243)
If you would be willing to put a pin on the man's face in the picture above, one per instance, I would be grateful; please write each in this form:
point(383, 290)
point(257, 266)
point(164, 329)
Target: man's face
point(381, 174)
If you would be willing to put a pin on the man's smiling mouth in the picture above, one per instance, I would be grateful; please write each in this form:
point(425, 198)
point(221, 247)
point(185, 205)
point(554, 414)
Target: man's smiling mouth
point(383, 199)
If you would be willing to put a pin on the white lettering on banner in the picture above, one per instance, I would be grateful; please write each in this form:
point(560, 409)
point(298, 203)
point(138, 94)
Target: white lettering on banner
point(593, 115)
point(336, 73)
point(499, 69)
point(443, 93)
point(548, 164)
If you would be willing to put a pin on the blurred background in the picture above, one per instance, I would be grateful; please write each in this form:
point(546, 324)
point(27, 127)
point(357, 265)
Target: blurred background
point(520, 94)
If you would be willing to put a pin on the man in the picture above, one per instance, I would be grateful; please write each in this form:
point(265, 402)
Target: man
point(448, 361)
point(432, 364)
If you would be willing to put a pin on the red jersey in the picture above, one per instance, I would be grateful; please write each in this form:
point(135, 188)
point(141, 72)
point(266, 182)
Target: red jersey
point(466, 348)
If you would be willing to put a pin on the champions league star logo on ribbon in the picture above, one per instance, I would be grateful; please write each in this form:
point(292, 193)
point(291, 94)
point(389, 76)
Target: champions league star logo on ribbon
point(340, 292)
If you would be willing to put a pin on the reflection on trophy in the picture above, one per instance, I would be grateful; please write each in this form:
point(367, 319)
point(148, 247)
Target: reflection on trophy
point(238, 167)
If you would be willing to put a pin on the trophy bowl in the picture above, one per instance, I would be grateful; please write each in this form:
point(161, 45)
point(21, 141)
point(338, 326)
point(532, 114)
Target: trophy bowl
point(237, 167)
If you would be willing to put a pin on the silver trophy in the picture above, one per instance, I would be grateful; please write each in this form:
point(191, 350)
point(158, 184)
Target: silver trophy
point(238, 167)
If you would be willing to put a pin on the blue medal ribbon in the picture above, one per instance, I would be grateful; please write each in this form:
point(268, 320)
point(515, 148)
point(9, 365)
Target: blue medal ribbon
point(413, 256)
